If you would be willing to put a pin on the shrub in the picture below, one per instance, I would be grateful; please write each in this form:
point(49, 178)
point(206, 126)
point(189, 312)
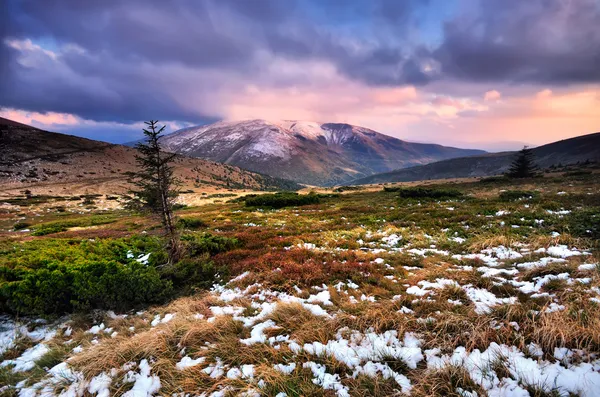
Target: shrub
point(89, 200)
point(51, 277)
point(21, 225)
point(425, 193)
point(56, 276)
point(58, 289)
point(196, 272)
point(117, 286)
point(61, 226)
point(191, 223)
point(585, 223)
point(281, 199)
point(221, 195)
point(578, 173)
point(342, 189)
point(493, 179)
point(514, 195)
point(49, 228)
point(208, 244)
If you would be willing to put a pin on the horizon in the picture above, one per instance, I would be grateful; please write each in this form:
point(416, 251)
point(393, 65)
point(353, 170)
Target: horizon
point(494, 75)
point(500, 146)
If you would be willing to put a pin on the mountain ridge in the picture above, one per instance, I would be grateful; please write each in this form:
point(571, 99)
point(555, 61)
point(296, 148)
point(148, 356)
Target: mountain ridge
point(565, 151)
point(308, 152)
point(33, 158)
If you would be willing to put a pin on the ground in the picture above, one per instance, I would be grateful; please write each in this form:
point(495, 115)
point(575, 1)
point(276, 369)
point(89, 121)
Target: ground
point(495, 292)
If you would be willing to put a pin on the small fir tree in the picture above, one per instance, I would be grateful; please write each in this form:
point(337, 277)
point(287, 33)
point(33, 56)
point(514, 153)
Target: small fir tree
point(523, 165)
point(156, 187)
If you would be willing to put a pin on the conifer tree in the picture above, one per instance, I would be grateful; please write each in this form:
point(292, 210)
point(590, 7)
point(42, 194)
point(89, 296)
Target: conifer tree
point(156, 187)
point(523, 165)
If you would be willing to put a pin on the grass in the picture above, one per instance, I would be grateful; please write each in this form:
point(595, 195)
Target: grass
point(334, 244)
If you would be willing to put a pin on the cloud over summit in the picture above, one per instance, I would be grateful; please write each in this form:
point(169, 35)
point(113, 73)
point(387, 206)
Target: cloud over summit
point(199, 61)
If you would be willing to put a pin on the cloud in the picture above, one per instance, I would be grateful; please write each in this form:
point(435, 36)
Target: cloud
point(74, 125)
point(534, 41)
point(491, 96)
point(408, 68)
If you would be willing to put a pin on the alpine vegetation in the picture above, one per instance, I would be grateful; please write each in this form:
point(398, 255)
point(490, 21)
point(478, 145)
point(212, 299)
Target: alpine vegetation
point(446, 289)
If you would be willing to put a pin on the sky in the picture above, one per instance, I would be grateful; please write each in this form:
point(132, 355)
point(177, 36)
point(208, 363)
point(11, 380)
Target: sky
point(489, 74)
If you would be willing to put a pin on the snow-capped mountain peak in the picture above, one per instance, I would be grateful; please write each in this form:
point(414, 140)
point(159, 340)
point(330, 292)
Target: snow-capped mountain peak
point(305, 151)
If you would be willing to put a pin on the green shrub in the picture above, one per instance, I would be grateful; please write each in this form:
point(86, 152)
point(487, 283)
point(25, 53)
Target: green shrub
point(514, 195)
point(194, 272)
point(117, 286)
point(62, 226)
point(49, 228)
point(425, 193)
point(281, 199)
point(208, 244)
point(585, 223)
point(191, 223)
point(52, 277)
point(493, 179)
point(21, 225)
point(56, 276)
point(59, 289)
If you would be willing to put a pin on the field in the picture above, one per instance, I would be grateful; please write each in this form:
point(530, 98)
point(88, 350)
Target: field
point(472, 288)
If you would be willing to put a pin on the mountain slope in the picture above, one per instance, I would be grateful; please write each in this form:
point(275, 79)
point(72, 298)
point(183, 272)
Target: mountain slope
point(567, 151)
point(31, 158)
point(307, 152)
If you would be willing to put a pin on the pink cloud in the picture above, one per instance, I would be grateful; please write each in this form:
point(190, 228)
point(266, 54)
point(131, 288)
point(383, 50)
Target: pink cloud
point(491, 96)
point(45, 119)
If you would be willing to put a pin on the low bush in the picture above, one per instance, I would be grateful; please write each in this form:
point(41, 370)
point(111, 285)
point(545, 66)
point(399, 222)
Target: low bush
point(493, 179)
point(21, 225)
point(281, 199)
point(585, 223)
point(221, 195)
point(61, 288)
point(342, 189)
point(514, 195)
point(208, 244)
point(62, 226)
point(56, 276)
point(191, 223)
point(194, 272)
point(49, 228)
point(577, 173)
point(424, 193)
point(51, 277)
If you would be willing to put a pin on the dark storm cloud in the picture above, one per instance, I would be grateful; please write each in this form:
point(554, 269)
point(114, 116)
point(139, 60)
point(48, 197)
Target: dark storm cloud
point(133, 58)
point(533, 41)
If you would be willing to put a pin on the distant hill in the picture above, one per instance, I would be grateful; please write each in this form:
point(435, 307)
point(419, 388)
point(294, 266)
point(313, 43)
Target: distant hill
point(304, 151)
point(567, 151)
point(32, 158)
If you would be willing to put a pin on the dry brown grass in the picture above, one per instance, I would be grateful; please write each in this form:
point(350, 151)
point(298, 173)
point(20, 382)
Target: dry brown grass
point(379, 316)
point(480, 242)
point(301, 324)
point(445, 382)
point(542, 241)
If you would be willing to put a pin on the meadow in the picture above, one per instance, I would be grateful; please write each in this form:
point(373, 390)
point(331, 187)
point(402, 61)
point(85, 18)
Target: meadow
point(449, 289)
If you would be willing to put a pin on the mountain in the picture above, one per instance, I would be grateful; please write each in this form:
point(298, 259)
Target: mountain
point(567, 151)
point(303, 151)
point(34, 159)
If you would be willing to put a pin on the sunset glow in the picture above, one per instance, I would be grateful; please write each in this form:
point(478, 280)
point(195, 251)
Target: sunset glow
point(492, 75)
